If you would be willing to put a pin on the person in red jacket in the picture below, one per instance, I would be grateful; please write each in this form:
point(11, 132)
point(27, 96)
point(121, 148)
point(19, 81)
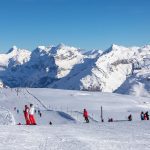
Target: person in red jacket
point(85, 115)
point(145, 117)
point(26, 115)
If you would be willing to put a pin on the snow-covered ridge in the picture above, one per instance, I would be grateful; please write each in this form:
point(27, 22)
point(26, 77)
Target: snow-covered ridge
point(118, 69)
point(16, 55)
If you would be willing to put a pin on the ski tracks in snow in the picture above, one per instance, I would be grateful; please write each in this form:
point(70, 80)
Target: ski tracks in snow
point(6, 117)
point(44, 144)
point(127, 136)
point(64, 142)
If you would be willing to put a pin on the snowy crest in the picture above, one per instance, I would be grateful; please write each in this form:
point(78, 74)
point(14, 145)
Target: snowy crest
point(15, 55)
point(65, 58)
point(118, 69)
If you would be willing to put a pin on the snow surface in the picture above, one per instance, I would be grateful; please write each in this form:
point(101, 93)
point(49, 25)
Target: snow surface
point(69, 130)
point(113, 136)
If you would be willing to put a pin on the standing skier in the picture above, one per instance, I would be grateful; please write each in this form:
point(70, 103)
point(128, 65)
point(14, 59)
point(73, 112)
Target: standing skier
point(147, 115)
point(26, 115)
point(85, 115)
point(142, 115)
point(31, 115)
point(130, 117)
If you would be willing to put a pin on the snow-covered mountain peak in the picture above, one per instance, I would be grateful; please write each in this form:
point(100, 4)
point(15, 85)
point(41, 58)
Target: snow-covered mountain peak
point(68, 67)
point(18, 56)
point(114, 46)
point(41, 47)
point(13, 49)
point(92, 53)
point(65, 58)
point(146, 48)
point(65, 48)
point(41, 51)
point(61, 46)
point(63, 51)
point(44, 48)
point(14, 56)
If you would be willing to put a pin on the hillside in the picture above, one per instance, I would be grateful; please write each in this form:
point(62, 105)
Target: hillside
point(69, 130)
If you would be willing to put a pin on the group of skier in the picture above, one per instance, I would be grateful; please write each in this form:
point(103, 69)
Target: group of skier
point(86, 117)
point(30, 120)
point(29, 115)
point(144, 116)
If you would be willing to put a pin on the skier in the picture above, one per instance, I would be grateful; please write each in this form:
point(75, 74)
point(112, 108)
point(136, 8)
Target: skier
point(85, 115)
point(31, 115)
point(17, 111)
point(26, 115)
point(110, 120)
point(142, 115)
point(40, 114)
point(130, 117)
point(147, 115)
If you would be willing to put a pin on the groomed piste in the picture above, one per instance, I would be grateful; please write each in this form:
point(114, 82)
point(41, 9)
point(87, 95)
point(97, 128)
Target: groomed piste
point(69, 130)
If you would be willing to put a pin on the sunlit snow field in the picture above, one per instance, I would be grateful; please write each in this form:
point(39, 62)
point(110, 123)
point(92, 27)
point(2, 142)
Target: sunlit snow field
point(69, 130)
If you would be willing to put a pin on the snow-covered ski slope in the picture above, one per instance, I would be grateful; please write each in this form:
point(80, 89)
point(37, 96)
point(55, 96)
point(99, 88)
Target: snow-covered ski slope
point(111, 136)
point(69, 130)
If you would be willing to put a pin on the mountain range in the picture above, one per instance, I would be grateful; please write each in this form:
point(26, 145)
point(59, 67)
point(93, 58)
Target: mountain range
point(118, 69)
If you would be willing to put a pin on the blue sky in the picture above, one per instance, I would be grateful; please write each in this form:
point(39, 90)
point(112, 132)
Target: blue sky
point(81, 23)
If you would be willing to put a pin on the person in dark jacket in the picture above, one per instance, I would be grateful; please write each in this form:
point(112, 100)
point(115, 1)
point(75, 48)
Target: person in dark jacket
point(142, 115)
point(17, 111)
point(85, 115)
point(40, 114)
point(130, 117)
